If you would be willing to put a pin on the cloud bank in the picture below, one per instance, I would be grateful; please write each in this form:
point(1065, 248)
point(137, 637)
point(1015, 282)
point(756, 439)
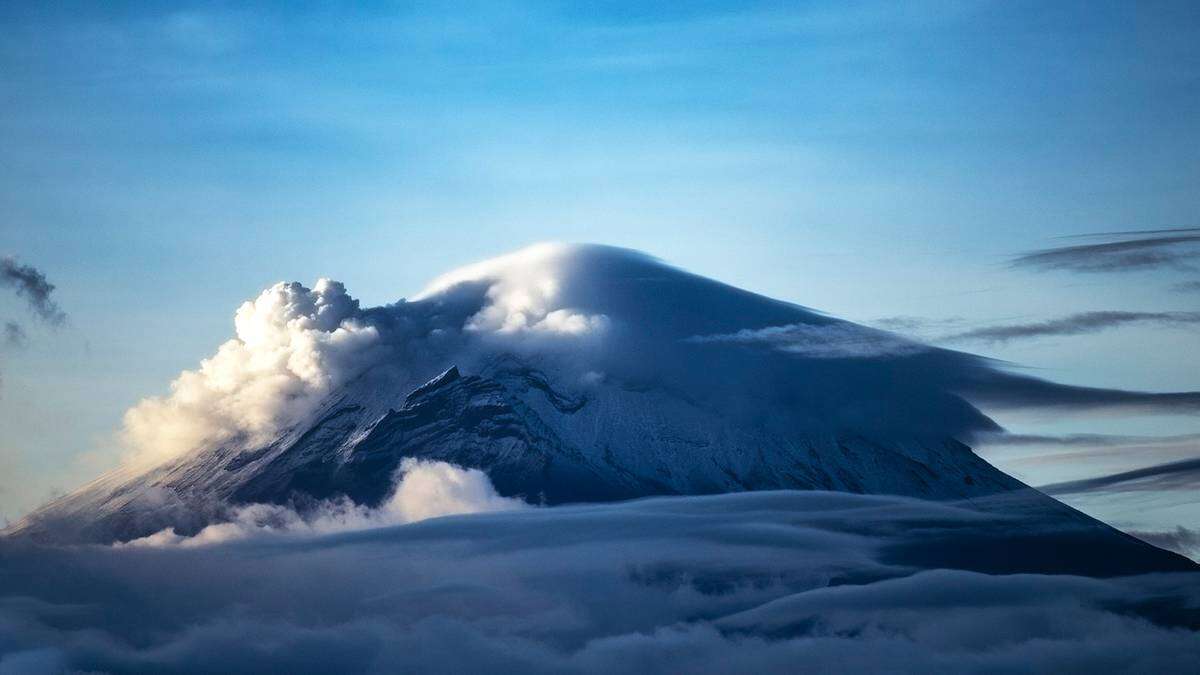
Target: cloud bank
point(755, 582)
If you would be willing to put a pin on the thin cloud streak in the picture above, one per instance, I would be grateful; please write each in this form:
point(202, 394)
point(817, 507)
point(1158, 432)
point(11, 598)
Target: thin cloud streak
point(1074, 324)
point(1173, 250)
point(1083, 440)
point(829, 341)
point(1170, 476)
point(1129, 233)
point(1009, 391)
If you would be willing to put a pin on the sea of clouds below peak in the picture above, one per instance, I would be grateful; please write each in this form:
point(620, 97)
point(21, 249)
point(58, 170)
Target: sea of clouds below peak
point(742, 582)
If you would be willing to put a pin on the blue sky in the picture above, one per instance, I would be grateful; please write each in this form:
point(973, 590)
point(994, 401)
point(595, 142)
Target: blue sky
point(163, 163)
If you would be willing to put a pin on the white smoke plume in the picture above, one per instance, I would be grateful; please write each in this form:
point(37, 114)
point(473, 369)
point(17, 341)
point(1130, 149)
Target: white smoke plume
point(293, 345)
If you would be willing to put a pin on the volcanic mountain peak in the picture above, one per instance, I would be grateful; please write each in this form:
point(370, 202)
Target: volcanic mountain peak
point(567, 374)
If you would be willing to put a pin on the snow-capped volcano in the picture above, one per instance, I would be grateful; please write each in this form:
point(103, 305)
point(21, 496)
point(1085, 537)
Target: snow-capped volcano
point(567, 374)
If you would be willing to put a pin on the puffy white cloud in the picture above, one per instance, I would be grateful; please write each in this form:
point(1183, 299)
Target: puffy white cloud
point(432, 489)
point(524, 293)
point(423, 490)
point(293, 345)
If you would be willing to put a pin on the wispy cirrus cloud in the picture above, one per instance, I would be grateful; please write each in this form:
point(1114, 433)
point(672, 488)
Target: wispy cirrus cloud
point(1073, 324)
point(1148, 249)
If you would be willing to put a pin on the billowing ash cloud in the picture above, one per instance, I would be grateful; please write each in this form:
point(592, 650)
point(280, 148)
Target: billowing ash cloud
point(31, 284)
point(293, 346)
point(590, 314)
point(755, 582)
point(1074, 324)
point(1166, 248)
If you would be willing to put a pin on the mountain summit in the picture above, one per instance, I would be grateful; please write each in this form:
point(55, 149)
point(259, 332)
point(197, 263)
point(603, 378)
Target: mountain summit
point(567, 374)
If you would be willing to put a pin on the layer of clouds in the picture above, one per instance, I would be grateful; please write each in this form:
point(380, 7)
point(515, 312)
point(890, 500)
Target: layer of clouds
point(1074, 324)
point(733, 583)
point(1165, 248)
point(838, 340)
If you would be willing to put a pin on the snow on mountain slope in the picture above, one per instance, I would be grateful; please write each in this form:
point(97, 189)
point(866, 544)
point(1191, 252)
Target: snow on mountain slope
point(566, 373)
